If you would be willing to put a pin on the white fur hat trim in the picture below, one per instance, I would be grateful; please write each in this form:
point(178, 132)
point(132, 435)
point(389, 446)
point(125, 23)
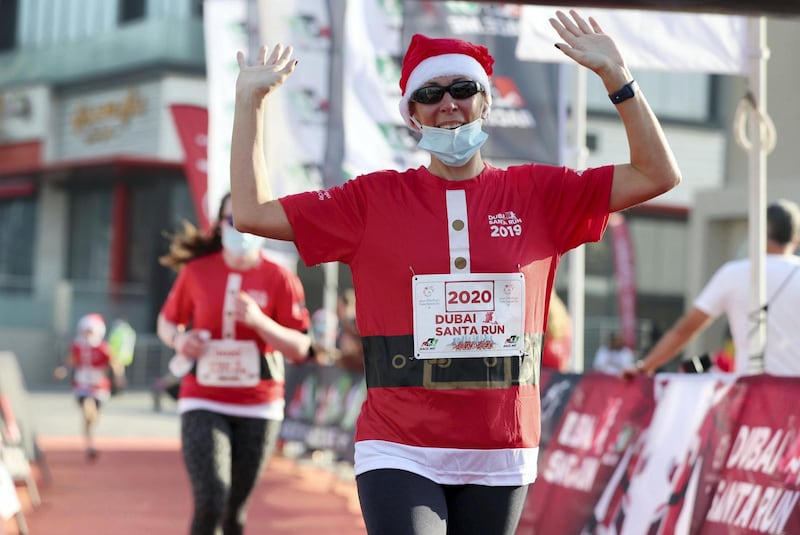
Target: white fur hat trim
point(444, 65)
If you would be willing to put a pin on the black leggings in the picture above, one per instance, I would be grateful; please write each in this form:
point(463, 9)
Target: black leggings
point(224, 456)
point(396, 502)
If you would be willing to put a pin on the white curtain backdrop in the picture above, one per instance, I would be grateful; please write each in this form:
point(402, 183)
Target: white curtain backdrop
point(653, 40)
point(671, 41)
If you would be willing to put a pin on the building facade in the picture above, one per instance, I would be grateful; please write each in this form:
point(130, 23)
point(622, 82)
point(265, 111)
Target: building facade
point(91, 169)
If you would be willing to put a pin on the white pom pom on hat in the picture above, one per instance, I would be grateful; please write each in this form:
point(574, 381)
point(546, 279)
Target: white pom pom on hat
point(428, 58)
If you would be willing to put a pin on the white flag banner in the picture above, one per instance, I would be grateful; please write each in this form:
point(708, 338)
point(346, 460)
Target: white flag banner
point(225, 27)
point(375, 136)
point(672, 450)
point(297, 115)
point(650, 40)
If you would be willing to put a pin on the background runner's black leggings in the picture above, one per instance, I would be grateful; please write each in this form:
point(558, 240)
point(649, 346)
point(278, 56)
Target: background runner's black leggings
point(396, 502)
point(224, 456)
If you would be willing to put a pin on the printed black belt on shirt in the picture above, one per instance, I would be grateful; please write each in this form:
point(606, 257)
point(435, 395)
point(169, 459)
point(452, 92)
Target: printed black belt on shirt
point(389, 363)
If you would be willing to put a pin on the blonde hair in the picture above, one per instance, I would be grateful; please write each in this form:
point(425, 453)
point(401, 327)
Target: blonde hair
point(558, 320)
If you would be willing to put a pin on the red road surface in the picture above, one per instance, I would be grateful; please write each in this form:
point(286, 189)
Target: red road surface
point(139, 486)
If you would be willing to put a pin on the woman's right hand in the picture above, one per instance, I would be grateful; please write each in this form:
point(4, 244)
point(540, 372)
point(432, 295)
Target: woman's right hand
point(268, 73)
point(191, 343)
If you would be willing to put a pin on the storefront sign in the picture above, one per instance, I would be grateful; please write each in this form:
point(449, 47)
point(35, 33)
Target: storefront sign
point(96, 123)
point(102, 121)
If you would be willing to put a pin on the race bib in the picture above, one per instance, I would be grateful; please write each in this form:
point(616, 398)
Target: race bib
point(231, 363)
point(89, 376)
point(468, 315)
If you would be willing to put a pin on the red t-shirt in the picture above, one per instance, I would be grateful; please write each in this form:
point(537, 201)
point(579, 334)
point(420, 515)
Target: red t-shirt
point(391, 225)
point(90, 367)
point(197, 300)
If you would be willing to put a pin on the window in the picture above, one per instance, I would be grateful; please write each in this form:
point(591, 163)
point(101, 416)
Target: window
point(90, 234)
point(673, 96)
point(17, 242)
point(8, 24)
point(158, 203)
point(197, 8)
point(156, 208)
point(131, 10)
point(600, 257)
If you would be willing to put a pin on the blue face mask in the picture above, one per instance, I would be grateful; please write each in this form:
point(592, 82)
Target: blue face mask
point(454, 147)
point(240, 243)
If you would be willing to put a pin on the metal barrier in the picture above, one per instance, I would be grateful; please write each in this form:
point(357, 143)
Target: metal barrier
point(150, 361)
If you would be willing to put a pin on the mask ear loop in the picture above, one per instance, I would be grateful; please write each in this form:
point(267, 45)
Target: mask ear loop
point(417, 124)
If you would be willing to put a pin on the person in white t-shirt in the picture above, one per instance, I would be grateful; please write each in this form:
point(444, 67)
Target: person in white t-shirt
point(728, 292)
point(613, 358)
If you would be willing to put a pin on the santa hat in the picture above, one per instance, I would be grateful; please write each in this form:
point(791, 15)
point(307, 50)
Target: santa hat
point(94, 324)
point(428, 58)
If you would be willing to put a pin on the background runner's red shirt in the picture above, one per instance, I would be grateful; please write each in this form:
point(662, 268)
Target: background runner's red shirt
point(96, 359)
point(197, 300)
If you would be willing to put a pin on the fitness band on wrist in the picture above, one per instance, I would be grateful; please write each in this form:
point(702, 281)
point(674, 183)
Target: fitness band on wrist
point(627, 91)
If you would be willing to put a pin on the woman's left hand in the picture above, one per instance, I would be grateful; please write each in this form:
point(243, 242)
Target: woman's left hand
point(586, 43)
point(270, 70)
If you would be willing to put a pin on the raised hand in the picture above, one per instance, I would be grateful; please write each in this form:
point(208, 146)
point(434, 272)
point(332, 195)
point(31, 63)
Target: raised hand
point(271, 69)
point(586, 43)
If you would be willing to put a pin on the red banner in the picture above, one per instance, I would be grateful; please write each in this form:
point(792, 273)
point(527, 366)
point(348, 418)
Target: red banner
point(679, 458)
point(625, 269)
point(759, 488)
point(679, 454)
point(191, 123)
point(676, 454)
point(593, 442)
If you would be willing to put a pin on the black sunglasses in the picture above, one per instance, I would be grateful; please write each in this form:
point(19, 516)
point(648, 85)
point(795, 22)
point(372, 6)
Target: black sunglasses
point(431, 94)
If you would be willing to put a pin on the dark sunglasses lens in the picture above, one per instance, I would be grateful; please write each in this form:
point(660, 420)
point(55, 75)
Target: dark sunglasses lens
point(434, 93)
point(428, 95)
point(462, 90)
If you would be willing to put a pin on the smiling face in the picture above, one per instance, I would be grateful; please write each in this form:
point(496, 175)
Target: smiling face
point(449, 112)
